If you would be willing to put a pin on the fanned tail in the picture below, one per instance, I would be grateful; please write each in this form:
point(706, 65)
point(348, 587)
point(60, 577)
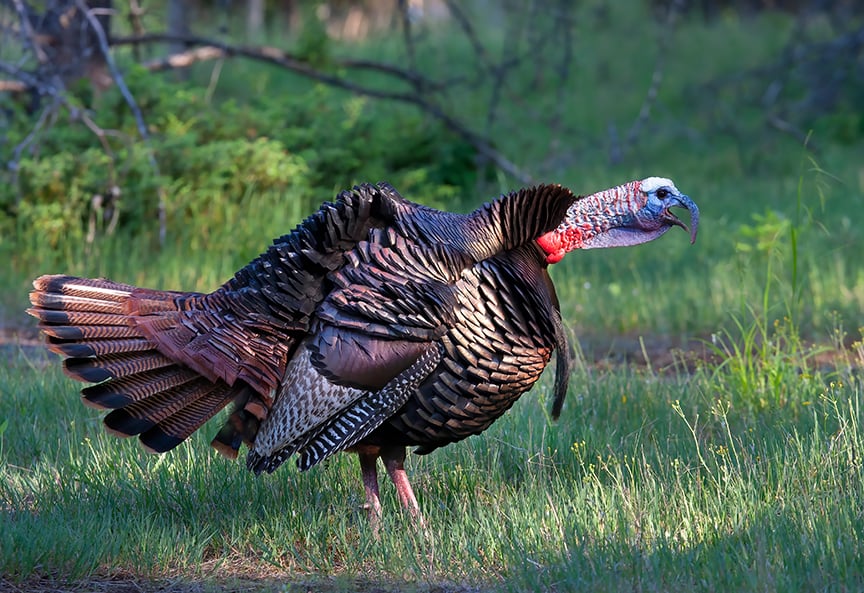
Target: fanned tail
point(165, 362)
point(94, 325)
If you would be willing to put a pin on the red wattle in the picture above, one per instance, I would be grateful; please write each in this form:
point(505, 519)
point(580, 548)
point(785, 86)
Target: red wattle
point(561, 241)
point(553, 244)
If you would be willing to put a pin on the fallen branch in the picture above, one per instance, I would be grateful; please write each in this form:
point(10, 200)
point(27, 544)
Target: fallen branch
point(184, 59)
point(12, 86)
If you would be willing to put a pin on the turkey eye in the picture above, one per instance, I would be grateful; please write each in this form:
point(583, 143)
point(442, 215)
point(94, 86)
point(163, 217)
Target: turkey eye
point(662, 193)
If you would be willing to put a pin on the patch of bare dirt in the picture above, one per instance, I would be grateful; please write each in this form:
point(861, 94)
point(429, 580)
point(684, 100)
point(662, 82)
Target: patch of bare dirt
point(129, 584)
point(669, 354)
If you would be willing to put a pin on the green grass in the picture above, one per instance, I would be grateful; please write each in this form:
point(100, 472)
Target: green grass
point(656, 482)
point(739, 471)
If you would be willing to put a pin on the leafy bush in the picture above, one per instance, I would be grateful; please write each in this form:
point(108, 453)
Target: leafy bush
point(216, 158)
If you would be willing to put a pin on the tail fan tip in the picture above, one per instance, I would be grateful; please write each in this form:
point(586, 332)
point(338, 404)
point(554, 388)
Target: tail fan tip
point(93, 324)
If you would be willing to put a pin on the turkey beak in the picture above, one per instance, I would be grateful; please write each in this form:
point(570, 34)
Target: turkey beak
point(683, 201)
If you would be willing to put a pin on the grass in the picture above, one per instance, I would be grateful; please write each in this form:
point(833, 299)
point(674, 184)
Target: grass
point(739, 468)
point(661, 482)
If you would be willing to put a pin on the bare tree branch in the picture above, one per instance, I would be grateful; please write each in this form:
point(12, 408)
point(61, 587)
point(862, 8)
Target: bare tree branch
point(276, 56)
point(136, 11)
point(133, 106)
point(31, 80)
point(13, 164)
point(467, 28)
point(27, 31)
point(209, 52)
point(408, 39)
point(270, 54)
point(112, 66)
point(803, 138)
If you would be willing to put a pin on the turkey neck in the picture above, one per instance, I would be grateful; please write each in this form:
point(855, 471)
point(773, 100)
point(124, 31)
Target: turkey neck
point(588, 217)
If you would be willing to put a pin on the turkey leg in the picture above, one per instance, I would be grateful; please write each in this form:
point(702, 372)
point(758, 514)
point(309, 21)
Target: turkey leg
point(368, 463)
point(394, 463)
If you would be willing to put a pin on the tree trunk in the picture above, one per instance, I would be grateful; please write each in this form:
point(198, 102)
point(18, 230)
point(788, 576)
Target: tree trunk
point(178, 24)
point(254, 19)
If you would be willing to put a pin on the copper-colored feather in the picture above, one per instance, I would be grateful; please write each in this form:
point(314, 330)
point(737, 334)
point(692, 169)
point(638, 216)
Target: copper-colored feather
point(176, 428)
point(100, 347)
point(143, 414)
point(97, 288)
point(44, 300)
point(114, 366)
point(137, 388)
point(95, 324)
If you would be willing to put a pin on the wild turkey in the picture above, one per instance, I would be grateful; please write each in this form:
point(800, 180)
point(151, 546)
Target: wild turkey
point(375, 325)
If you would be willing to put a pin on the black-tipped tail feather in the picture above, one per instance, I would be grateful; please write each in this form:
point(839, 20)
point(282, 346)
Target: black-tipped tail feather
point(92, 324)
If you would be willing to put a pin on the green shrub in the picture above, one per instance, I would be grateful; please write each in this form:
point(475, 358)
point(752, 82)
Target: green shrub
point(220, 164)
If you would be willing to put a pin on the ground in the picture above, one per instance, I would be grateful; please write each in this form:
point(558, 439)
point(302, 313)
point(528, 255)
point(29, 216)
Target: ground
point(126, 584)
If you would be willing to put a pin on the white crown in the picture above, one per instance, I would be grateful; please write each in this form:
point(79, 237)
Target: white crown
point(650, 184)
